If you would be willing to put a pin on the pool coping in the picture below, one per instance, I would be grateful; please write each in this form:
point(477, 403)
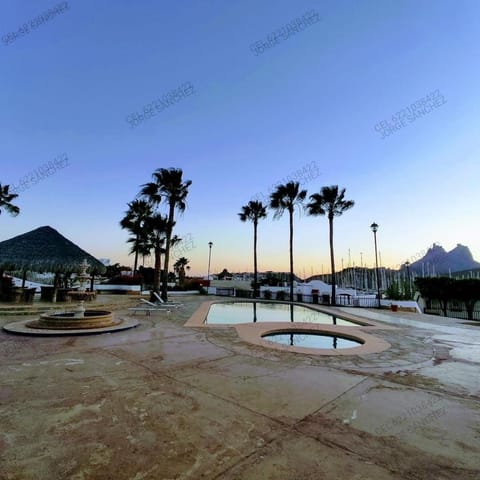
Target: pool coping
point(253, 332)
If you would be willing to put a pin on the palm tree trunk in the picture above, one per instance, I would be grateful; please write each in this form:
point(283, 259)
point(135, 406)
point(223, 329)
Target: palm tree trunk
point(255, 274)
point(167, 251)
point(157, 270)
point(135, 263)
point(332, 259)
point(56, 280)
point(291, 255)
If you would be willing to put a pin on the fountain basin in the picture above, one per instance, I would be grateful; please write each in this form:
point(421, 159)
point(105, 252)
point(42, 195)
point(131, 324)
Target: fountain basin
point(81, 296)
point(69, 321)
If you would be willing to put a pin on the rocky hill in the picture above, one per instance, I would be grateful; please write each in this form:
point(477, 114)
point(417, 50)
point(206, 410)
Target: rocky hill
point(438, 261)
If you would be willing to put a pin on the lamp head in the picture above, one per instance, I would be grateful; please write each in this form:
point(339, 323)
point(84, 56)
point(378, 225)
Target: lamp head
point(374, 227)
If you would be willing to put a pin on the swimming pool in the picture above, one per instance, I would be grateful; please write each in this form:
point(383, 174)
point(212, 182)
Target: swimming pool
point(234, 313)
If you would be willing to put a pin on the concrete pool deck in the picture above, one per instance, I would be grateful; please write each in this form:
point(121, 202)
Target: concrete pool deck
point(163, 401)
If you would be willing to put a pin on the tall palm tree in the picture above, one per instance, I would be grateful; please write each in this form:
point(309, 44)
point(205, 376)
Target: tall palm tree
point(167, 185)
point(331, 202)
point(254, 211)
point(134, 221)
point(6, 201)
point(286, 197)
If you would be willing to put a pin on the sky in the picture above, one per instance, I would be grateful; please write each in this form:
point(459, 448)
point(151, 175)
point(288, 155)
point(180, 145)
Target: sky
point(319, 104)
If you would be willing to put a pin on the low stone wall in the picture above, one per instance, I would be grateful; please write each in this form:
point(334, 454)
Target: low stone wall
point(119, 289)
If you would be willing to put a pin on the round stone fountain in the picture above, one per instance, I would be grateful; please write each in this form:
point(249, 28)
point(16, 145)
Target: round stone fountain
point(75, 320)
point(78, 321)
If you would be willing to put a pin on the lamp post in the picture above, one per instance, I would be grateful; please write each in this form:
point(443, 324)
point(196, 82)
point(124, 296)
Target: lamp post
point(407, 264)
point(374, 228)
point(209, 258)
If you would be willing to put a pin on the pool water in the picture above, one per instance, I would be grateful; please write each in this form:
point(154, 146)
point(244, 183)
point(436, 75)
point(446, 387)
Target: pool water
point(233, 313)
point(311, 340)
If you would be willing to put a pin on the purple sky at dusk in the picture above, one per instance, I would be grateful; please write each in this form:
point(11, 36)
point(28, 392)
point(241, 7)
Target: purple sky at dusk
point(318, 100)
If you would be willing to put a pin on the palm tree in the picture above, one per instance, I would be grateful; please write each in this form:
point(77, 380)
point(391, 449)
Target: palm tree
point(169, 186)
point(143, 246)
point(5, 201)
point(254, 211)
point(179, 267)
point(140, 245)
point(134, 221)
point(332, 203)
point(286, 197)
point(156, 226)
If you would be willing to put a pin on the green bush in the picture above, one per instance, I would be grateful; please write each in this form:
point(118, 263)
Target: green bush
point(399, 291)
point(267, 294)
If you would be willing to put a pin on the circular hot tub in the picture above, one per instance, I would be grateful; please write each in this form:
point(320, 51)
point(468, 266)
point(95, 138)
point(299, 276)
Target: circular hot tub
point(312, 339)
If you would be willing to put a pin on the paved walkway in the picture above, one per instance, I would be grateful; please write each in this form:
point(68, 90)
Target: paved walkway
point(163, 401)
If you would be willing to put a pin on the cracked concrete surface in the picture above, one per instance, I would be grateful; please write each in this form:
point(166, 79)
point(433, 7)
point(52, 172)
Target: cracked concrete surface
point(163, 401)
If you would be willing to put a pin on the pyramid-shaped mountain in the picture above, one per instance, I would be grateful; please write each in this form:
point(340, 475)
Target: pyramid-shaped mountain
point(44, 250)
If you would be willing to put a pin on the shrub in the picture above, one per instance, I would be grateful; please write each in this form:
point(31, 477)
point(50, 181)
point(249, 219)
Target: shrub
point(393, 292)
point(6, 288)
point(467, 291)
point(437, 288)
point(281, 295)
point(125, 280)
point(267, 294)
point(243, 293)
point(189, 285)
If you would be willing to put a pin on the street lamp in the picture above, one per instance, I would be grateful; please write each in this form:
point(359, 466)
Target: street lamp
point(407, 264)
point(209, 258)
point(374, 228)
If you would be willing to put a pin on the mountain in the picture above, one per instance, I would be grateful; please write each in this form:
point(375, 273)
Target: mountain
point(438, 261)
